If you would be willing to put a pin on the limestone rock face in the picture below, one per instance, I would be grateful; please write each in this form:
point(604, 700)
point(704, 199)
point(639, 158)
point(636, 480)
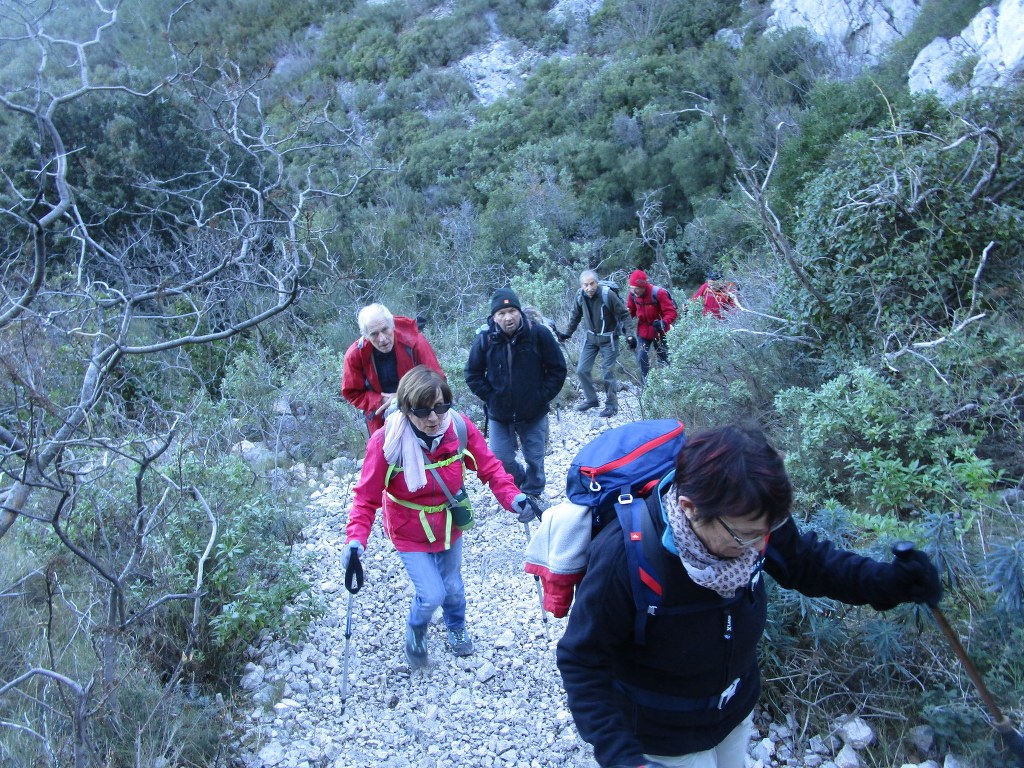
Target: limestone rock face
point(989, 52)
point(856, 31)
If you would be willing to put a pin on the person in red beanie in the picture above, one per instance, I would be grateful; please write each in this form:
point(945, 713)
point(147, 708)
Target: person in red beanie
point(654, 310)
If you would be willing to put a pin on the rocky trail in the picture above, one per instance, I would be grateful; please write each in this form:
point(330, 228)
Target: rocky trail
point(502, 706)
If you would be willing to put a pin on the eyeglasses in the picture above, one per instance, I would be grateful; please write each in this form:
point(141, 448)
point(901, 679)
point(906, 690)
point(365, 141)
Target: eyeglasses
point(439, 408)
point(746, 543)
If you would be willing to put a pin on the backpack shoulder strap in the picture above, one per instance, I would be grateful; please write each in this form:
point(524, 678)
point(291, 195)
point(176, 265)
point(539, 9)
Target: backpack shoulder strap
point(647, 560)
point(605, 290)
point(459, 421)
point(642, 555)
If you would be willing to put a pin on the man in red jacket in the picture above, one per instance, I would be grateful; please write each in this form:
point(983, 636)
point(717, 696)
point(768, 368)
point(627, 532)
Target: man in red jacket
point(654, 310)
point(389, 346)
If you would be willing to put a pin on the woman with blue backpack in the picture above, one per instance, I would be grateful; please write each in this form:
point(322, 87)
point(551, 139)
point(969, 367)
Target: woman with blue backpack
point(413, 473)
point(678, 688)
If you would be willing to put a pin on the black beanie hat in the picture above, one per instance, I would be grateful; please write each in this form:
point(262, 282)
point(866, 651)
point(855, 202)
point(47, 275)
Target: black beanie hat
point(504, 298)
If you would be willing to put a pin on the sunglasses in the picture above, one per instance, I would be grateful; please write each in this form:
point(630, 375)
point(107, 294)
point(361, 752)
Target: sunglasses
point(757, 540)
point(440, 409)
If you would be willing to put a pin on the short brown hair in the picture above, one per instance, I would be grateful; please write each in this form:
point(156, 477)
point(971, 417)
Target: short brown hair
point(733, 472)
point(418, 389)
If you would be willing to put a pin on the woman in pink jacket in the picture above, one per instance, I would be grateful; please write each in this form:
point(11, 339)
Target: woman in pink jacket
point(421, 448)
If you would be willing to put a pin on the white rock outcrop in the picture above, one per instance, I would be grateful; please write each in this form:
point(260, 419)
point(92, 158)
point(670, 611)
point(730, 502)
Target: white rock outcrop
point(989, 52)
point(856, 31)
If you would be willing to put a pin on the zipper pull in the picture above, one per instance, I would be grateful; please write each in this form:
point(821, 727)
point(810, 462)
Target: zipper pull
point(728, 693)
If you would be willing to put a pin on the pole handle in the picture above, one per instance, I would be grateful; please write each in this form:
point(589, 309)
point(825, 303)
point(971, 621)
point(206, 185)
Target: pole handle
point(354, 572)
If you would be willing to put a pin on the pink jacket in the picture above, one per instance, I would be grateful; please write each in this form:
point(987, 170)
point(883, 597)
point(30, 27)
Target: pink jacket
point(407, 527)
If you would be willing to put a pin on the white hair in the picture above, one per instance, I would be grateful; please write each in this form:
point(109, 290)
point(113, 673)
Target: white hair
point(371, 312)
point(588, 273)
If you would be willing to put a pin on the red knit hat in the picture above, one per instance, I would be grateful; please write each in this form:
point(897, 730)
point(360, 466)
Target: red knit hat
point(638, 278)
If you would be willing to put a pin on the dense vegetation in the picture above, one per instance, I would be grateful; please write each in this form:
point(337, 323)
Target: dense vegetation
point(197, 199)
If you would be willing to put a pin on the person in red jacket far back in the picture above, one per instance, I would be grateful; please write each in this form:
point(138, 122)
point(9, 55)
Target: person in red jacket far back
point(654, 310)
point(389, 347)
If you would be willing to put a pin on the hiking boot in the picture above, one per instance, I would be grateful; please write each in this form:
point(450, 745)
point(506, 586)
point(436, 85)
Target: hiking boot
point(585, 406)
point(416, 646)
point(460, 642)
point(609, 410)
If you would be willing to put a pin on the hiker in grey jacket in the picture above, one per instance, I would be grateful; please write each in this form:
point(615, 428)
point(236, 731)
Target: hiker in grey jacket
point(604, 317)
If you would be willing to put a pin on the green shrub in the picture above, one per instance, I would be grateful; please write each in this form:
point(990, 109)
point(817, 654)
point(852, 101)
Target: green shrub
point(869, 443)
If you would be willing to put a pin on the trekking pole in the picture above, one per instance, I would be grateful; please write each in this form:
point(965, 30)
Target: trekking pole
point(353, 583)
point(1012, 740)
point(536, 581)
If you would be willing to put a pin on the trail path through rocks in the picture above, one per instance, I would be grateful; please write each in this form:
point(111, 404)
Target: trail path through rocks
point(501, 707)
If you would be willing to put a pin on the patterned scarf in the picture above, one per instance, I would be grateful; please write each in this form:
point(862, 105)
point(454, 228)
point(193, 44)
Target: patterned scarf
point(402, 447)
point(723, 575)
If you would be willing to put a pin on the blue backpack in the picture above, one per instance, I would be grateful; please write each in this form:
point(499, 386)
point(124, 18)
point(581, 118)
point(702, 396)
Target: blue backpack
point(613, 474)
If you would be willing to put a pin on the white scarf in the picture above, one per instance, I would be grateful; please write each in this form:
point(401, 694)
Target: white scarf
point(402, 447)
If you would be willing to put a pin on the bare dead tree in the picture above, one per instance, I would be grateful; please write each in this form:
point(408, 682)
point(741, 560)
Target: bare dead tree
point(753, 184)
point(197, 256)
point(654, 231)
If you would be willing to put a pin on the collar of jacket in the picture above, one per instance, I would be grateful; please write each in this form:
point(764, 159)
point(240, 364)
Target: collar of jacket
point(497, 334)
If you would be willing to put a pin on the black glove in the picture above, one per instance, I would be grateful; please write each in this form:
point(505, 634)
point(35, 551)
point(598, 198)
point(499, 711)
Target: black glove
point(631, 342)
point(644, 765)
point(561, 336)
point(659, 326)
point(910, 578)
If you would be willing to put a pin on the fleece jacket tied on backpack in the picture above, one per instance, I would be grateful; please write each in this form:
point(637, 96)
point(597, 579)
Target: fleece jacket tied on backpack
point(696, 677)
point(360, 384)
point(604, 314)
point(557, 553)
point(404, 525)
point(518, 375)
point(654, 303)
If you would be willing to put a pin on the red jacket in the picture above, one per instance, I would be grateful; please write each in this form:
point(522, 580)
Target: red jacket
point(359, 382)
point(716, 301)
point(404, 525)
point(647, 309)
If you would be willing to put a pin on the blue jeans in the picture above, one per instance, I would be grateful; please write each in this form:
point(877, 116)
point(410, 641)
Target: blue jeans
point(533, 437)
point(437, 579)
point(608, 348)
point(643, 358)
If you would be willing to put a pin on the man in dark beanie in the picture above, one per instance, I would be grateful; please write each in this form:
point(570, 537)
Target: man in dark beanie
point(516, 367)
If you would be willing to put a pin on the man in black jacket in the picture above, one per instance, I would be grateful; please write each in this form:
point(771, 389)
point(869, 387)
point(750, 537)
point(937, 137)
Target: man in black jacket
point(604, 316)
point(516, 367)
point(687, 693)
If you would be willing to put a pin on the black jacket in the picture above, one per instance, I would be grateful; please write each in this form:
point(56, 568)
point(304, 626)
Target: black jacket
point(663, 697)
point(516, 376)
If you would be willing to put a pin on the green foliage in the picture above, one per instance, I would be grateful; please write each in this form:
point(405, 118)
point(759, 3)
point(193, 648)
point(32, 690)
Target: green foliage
point(252, 581)
point(715, 375)
point(867, 442)
point(1006, 576)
